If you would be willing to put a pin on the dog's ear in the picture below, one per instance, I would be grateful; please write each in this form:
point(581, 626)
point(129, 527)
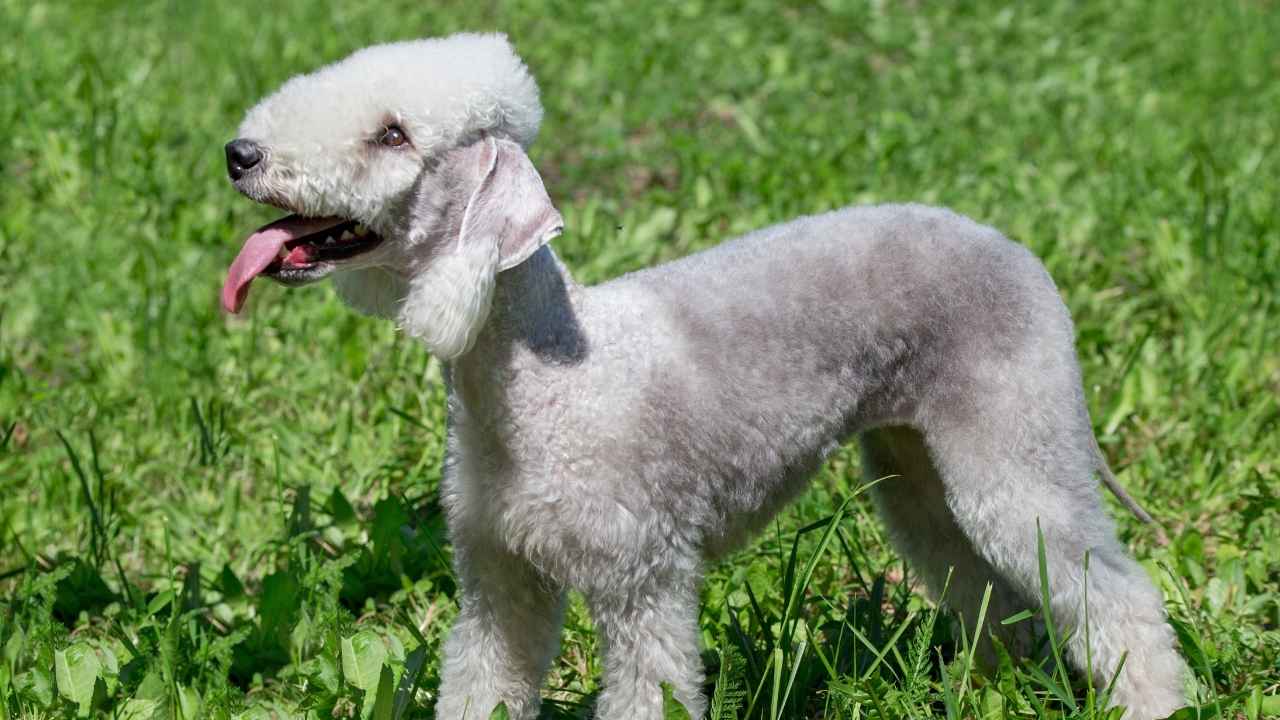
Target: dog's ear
point(506, 217)
point(510, 205)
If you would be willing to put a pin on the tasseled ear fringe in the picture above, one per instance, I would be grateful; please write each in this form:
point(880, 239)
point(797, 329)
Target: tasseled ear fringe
point(449, 301)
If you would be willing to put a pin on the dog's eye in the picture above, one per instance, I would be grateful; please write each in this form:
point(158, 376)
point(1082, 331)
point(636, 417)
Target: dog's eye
point(393, 136)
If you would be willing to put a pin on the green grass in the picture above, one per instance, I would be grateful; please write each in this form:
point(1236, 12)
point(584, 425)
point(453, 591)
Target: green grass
point(212, 517)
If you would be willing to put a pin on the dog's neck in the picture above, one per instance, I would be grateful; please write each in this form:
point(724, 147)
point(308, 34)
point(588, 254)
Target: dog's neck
point(533, 305)
point(533, 318)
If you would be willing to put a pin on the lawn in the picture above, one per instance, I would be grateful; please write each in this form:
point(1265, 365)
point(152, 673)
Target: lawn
point(206, 516)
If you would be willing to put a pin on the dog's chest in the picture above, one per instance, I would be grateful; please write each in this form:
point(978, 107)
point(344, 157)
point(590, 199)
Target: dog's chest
point(510, 426)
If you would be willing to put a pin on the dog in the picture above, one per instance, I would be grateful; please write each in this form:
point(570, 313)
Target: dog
point(616, 438)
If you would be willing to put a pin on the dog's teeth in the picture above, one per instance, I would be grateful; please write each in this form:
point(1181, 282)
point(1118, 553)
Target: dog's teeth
point(346, 235)
point(329, 240)
point(361, 229)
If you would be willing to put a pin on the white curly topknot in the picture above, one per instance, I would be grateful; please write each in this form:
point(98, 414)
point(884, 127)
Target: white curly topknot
point(440, 90)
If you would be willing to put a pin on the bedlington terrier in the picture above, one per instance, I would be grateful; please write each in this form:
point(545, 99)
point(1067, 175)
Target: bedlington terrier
point(616, 438)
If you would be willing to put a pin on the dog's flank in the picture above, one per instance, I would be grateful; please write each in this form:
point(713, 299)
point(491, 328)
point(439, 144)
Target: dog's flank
point(615, 438)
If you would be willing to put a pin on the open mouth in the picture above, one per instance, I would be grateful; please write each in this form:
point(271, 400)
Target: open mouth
point(295, 250)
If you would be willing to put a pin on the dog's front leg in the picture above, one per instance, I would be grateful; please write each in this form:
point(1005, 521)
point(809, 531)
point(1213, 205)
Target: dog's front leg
point(504, 637)
point(650, 636)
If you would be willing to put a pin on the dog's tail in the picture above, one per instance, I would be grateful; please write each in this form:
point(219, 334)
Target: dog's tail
point(1109, 479)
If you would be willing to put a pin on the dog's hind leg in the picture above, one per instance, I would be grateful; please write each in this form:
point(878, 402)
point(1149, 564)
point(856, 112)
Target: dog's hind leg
point(911, 499)
point(1014, 462)
point(505, 636)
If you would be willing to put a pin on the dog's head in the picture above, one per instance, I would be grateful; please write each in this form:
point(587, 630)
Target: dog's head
point(404, 173)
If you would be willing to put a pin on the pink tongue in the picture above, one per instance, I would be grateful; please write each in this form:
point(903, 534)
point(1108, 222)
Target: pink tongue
point(261, 249)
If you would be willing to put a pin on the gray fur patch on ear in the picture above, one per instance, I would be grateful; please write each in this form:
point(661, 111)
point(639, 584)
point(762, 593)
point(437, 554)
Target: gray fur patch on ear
point(449, 301)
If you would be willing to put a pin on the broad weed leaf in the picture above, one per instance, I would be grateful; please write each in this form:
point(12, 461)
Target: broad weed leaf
point(76, 669)
point(36, 683)
point(189, 702)
point(152, 687)
point(362, 658)
point(141, 709)
point(13, 648)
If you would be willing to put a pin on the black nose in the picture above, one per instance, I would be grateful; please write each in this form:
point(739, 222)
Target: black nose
point(242, 155)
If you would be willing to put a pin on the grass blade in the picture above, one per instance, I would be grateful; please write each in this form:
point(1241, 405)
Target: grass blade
point(1046, 607)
